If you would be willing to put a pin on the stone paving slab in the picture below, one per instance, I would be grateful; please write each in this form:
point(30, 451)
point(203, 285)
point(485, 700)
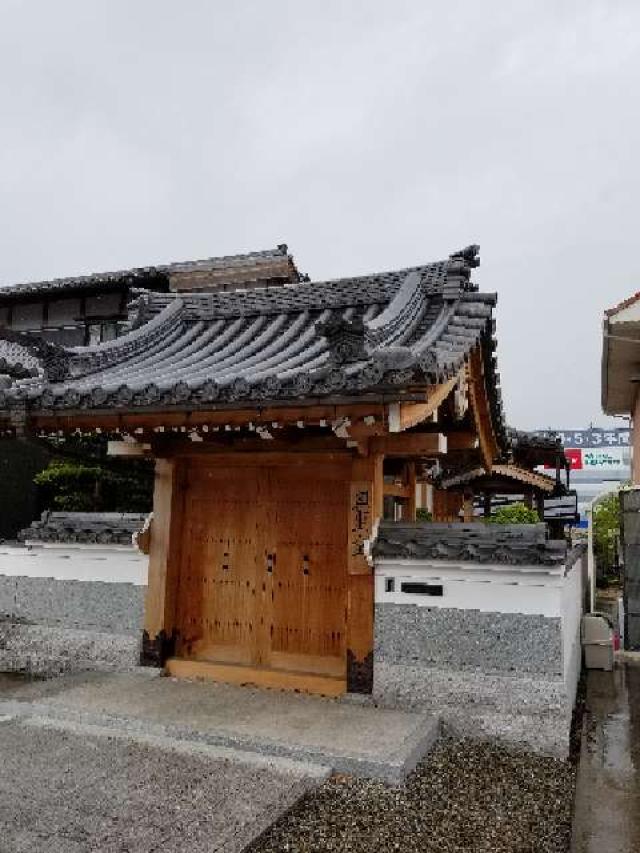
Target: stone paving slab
point(68, 788)
point(607, 802)
point(346, 736)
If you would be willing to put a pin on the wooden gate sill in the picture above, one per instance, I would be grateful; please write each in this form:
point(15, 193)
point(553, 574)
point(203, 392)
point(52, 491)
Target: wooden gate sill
point(281, 679)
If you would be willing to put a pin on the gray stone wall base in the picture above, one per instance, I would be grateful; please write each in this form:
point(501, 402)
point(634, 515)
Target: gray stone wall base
point(534, 712)
point(108, 607)
point(545, 734)
point(468, 639)
point(46, 651)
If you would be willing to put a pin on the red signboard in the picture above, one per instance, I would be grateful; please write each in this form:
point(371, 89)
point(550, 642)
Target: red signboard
point(574, 455)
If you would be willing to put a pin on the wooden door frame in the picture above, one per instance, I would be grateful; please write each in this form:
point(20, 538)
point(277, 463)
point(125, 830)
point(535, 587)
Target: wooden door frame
point(165, 556)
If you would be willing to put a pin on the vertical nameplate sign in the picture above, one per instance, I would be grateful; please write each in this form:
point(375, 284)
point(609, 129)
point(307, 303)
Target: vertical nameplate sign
point(360, 509)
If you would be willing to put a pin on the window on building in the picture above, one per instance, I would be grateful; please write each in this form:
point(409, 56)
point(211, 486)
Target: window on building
point(100, 333)
point(109, 332)
point(94, 334)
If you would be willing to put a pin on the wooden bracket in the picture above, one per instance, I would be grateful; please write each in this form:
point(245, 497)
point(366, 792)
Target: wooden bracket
point(403, 416)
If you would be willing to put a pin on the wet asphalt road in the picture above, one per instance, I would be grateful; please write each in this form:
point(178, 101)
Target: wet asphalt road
point(607, 806)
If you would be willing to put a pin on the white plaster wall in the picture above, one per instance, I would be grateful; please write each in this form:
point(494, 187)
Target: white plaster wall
point(572, 600)
point(107, 563)
point(530, 590)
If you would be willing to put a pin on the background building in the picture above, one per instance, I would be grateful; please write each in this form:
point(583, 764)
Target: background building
point(92, 309)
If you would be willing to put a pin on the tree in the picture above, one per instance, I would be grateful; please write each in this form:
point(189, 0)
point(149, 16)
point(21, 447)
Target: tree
point(83, 478)
point(606, 532)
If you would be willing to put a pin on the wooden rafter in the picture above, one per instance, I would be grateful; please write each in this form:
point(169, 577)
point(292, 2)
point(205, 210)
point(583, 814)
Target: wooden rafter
point(531, 478)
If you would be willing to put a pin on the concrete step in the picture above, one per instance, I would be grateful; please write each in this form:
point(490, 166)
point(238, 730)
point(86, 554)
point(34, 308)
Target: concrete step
point(346, 737)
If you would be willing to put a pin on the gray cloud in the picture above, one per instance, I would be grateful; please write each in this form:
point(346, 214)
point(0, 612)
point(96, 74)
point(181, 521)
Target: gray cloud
point(367, 135)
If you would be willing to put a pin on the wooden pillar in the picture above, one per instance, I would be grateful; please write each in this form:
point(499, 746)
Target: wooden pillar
point(467, 508)
point(422, 496)
point(411, 484)
point(158, 637)
point(365, 510)
point(487, 505)
point(439, 505)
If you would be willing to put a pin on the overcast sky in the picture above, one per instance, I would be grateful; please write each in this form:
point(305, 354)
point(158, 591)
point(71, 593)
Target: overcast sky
point(366, 135)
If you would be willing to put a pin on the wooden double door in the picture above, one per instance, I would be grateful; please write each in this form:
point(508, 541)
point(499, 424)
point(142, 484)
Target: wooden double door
point(263, 578)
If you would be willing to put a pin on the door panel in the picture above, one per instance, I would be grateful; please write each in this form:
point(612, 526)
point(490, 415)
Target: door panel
point(308, 530)
point(218, 600)
point(264, 571)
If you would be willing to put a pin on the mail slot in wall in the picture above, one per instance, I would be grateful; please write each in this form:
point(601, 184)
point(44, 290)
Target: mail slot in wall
point(420, 588)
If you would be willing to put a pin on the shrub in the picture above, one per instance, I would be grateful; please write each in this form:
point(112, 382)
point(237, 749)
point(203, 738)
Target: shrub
point(516, 513)
point(423, 514)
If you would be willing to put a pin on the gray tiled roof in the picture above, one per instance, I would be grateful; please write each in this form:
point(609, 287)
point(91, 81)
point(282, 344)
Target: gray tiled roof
point(517, 544)
point(380, 334)
point(535, 448)
point(112, 528)
point(150, 277)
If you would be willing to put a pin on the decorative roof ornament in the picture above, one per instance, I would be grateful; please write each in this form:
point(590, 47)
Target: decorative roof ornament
point(394, 357)
point(458, 272)
point(346, 340)
point(138, 311)
point(42, 357)
point(470, 255)
point(209, 391)
point(16, 370)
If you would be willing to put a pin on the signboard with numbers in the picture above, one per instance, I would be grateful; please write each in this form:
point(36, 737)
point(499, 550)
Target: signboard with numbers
point(596, 437)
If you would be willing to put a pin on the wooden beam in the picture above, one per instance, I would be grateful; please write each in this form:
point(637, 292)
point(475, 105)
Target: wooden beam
point(480, 406)
point(279, 679)
point(408, 444)
point(232, 459)
point(111, 421)
point(408, 415)
point(461, 441)
point(178, 445)
point(169, 445)
point(397, 490)
point(128, 448)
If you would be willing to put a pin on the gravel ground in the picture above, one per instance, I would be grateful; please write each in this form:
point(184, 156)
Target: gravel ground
point(465, 796)
point(66, 792)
